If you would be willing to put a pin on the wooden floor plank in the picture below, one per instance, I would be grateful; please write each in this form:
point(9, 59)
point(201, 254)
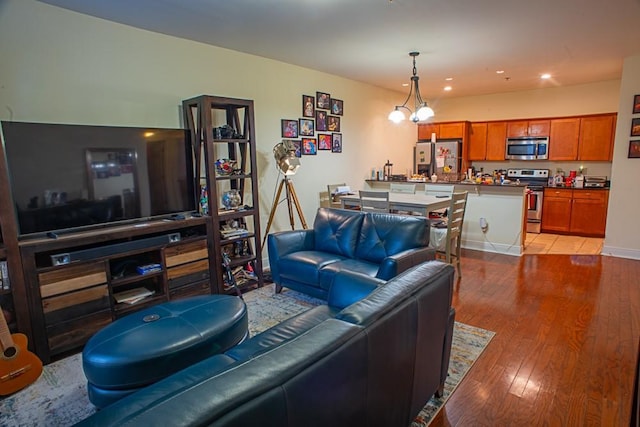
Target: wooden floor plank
point(567, 330)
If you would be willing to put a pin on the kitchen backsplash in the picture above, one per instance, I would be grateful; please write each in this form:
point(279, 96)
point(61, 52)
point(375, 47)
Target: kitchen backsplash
point(589, 168)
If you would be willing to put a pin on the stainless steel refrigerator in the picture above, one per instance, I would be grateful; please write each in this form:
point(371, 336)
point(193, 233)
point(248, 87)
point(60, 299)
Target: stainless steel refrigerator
point(434, 157)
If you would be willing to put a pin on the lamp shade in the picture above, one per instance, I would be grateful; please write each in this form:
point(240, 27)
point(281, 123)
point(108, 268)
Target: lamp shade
point(285, 155)
point(396, 116)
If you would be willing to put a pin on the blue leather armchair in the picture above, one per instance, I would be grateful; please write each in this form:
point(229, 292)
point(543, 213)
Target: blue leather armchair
point(379, 245)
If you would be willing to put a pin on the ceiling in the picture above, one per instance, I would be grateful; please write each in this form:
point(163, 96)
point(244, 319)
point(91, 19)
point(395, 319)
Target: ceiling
point(576, 41)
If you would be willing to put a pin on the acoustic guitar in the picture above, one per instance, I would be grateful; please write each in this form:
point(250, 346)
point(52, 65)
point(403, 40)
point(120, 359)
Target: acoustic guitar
point(18, 366)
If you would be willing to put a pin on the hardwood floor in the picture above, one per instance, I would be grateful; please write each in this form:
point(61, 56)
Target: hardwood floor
point(564, 354)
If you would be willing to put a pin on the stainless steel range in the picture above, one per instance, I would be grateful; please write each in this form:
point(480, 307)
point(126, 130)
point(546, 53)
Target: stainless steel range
point(535, 179)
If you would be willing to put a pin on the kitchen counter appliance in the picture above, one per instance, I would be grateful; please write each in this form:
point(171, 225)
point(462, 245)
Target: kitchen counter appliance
point(527, 148)
point(595, 181)
point(535, 179)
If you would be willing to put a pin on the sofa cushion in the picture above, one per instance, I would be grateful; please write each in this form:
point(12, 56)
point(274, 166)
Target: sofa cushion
point(305, 266)
point(328, 271)
point(337, 231)
point(281, 333)
point(382, 235)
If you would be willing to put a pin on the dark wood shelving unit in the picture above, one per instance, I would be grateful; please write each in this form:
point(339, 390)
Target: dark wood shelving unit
point(203, 114)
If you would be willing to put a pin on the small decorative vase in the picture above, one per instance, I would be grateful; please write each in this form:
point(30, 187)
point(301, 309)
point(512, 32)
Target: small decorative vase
point(231, 199)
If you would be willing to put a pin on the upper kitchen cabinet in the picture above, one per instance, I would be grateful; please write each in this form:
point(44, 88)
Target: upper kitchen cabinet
point(563, 139)
point(596, 137)
point(487, 141)
point(517, 128)
point(478, 141)
point(444, 130)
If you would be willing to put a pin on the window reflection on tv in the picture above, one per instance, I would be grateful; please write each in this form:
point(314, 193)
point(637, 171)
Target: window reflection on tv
point(63, 177)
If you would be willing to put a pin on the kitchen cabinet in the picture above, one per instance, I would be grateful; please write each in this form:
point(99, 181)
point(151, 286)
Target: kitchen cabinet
point(444, 130)
point(556, 210)
point(581, 212)
point(478, 141)
point(589, 212)
point(519, 128)
point(496, 140)
point(487, 141)
point(596, 137)
point(564, 138)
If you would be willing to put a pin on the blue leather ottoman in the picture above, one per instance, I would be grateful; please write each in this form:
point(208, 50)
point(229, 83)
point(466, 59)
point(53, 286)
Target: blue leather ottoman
point(146, 346)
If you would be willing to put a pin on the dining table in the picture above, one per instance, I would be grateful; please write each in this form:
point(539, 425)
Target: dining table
point(419, 203)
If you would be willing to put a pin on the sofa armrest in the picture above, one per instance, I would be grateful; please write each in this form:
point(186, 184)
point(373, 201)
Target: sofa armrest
point(349, 287)
point(393, 265)
point(285, 242)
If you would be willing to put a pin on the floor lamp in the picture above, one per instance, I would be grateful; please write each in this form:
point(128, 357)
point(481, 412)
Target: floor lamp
point(288, 164)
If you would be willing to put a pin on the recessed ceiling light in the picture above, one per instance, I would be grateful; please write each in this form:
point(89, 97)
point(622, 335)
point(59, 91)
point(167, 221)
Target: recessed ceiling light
point(449, 79)
point(447, 88)
point(405, 84)
point(500, 72)
point(545, 76)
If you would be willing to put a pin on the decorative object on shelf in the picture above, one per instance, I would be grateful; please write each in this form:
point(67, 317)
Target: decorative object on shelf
point(226, 132)
point(421, 110)
point(225, 167)
point(231, 199)
point(287, 164)
point(204, 201)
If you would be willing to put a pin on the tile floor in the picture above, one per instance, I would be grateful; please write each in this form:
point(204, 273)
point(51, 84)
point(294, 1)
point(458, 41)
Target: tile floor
point(545, 243)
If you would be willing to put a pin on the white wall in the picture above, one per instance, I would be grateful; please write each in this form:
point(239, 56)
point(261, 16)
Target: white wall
point(623, 232)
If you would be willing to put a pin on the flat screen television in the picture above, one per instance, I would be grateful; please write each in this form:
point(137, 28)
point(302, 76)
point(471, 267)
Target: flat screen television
point(67, 177)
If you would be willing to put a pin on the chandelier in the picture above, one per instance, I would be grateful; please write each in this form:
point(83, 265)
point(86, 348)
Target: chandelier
point(421, 110)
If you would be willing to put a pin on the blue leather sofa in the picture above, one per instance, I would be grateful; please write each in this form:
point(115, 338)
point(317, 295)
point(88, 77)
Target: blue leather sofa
point(376, 244)
point(373, 356)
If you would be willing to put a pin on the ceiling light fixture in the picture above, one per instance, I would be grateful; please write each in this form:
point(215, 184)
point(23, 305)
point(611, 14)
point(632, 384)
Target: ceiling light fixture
point(545, 76)
point(421, 110)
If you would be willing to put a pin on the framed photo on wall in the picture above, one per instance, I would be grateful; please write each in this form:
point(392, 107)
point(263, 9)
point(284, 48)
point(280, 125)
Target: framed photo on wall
point(336, 143)
point(308, 106)
point(309, 146)
point(321, 121)
point(636, 104)
point(336, 106)
point(333, 123)
point(289, 128)
point(324, 141)
point(323, 100)
point(306, 127)
point(635, 127)
point(634, 150)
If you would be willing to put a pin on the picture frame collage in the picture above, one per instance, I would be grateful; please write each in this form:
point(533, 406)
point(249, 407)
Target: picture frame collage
point(634, 144)
point(319, 127)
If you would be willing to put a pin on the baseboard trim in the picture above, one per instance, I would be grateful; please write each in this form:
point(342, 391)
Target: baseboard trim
point(620, 252)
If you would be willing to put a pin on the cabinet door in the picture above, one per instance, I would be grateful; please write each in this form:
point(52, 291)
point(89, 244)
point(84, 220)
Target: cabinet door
point(451, 130)
point(589, 212)
point(539, 127)
point(563, 141)
point(425, 131)
point(596, 137)
point(496, 140)
point(478, 141)
point(556, 210)
point(517, 128)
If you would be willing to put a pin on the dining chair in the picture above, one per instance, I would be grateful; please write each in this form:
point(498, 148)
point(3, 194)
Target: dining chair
point(374, 201)
point(441, 190)
point(447, 241)
point(404, 188)
point(334, 202)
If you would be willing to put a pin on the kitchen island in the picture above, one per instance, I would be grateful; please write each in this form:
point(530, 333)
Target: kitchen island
point(503, 207)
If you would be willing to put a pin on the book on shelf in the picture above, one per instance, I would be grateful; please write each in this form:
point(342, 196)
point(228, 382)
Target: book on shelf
point(5, 283)
point(132, 296)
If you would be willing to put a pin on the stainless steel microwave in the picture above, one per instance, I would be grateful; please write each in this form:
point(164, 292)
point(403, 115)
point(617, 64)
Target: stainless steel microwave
point(527, 148)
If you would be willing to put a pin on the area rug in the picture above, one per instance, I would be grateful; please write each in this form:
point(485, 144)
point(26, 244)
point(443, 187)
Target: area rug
point(59, 397)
